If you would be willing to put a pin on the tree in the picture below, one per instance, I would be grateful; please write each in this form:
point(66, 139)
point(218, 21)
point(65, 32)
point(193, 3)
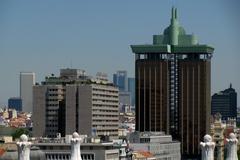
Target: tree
point(19, 132)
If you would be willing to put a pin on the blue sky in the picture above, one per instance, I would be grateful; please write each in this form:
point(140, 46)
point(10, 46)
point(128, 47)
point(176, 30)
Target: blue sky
point(44, 36)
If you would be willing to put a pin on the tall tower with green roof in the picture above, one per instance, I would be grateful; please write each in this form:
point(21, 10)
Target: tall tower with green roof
point(173, 86)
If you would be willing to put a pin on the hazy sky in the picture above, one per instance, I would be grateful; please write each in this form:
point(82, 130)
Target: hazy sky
point(44, 36)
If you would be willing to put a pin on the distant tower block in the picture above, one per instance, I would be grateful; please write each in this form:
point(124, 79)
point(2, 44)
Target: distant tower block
point(207, 148)
point(75, 147)
point(225, 102)
point(27, 81)
point(232, 147)
point(24, 148)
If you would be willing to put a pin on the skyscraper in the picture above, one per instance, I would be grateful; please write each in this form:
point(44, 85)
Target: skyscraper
point(225, 103)
point(15, 103)
point(27, 80)
point(120, 80)
point(131, 89)
point(125, 98)
point(173, 86)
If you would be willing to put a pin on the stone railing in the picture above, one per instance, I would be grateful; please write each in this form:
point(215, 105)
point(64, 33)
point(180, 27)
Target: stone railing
point(24, 147)
point(208, 147)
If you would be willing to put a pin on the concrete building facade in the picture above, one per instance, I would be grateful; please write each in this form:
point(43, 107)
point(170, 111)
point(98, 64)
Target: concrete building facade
point(46, 100)
point(89, 151)
point(75, 105)
point(95, 107)
point(59, 149)
point(27, 81)
point(157, 143)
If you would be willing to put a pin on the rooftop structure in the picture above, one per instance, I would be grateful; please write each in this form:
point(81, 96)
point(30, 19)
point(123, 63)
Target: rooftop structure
point(72, 73)
point(158, 144)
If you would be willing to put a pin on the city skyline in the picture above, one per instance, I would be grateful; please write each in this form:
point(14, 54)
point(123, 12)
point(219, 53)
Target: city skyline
point(43, 37)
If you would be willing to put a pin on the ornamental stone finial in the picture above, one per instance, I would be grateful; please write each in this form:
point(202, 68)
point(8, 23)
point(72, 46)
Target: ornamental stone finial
point(207, 148)
point(75, 147)
point(232, 147)
point(24, 148)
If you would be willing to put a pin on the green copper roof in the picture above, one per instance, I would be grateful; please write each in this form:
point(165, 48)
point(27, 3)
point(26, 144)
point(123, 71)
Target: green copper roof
point(175, 36)
point(151, 48)
point(140, 49)
point(193, 49)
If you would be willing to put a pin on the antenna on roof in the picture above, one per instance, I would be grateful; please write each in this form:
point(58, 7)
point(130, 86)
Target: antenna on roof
point(175, 13)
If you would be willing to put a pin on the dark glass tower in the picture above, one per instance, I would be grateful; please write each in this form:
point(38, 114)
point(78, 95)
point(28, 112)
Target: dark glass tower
point(15, 103)
point(173, 86)
point(120, 80)
point(131, 89)
point(225, 103)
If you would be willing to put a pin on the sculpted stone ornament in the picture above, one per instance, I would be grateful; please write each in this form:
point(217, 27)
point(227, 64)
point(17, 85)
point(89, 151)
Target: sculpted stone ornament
point(232, 147)
point(207, 148)
point(75, 147)
point(24, 148)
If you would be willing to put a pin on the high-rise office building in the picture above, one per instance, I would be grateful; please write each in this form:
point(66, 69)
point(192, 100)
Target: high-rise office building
point(15, 103)
point(27, 80)
point(173, 86)
point(126, 87)
point(120, 80)
point(72, 103)
point(131, 89)
point(125, 98)
point(225, 103)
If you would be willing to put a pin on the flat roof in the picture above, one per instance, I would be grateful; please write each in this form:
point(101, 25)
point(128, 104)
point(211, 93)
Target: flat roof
point(141, 49)
point(68, 144)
